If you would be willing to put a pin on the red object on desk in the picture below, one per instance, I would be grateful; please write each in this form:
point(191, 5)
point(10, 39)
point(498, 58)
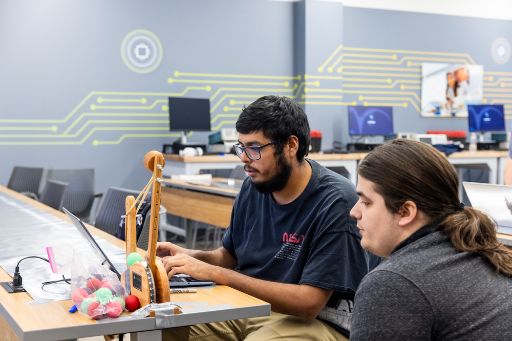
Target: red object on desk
point(315, 133)
point(132, 303)
point(450, 134)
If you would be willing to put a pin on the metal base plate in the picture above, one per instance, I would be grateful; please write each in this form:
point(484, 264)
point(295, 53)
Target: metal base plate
point(10, 288)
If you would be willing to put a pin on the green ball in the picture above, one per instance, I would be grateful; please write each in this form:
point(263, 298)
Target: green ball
point(133, 258)
point(84, 306)
point(103, 295)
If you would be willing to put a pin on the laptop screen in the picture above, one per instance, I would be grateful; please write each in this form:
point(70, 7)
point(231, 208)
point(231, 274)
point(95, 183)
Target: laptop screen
point(80, 226)
point(495, 200)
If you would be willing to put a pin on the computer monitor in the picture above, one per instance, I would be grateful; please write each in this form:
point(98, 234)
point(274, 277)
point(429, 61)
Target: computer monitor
point(370, 120)
point(189, 114)
point(486, 117)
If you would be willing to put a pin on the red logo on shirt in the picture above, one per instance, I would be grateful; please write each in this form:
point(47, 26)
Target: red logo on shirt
point(292, 238)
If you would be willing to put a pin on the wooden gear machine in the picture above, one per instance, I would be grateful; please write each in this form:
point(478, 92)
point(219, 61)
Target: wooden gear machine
point(149, 282)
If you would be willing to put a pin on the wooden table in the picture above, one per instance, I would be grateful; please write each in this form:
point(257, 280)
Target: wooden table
point(20, 320)
point(213, 205)
point(176, 164)
point(206, 204)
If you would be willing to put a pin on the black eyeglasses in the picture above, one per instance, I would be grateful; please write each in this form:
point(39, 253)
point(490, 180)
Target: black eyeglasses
point(252, 152)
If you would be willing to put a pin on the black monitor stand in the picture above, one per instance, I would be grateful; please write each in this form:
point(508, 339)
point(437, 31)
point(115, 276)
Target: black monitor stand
point(182, 143)
point(361, 147)
point(363, 144)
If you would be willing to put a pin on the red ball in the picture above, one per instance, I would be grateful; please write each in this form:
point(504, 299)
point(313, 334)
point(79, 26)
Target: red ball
point(107, 284)
point(114, 309)
point(132, 303)
point(93, 283)
point(94, 310)
point(78, 295)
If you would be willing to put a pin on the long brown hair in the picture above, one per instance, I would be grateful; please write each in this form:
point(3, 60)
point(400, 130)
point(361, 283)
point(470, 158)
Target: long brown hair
point(404, 170)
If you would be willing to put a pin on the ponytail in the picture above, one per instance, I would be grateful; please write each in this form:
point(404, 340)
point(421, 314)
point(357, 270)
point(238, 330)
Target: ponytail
point(404, 170)
point(470, 230)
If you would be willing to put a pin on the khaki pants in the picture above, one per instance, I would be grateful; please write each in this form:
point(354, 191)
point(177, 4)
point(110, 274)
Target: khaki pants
point(274, 327)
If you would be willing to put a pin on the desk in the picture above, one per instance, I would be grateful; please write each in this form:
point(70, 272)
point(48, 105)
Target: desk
point(494, 160)
point(502, 161)
point(205, 204)
point(51, 321)
point(487, 157)
point(213, 205)
point(192, 164)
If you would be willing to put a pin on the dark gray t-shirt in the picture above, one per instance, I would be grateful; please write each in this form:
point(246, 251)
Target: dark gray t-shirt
point(427, 290)
point(311, 240)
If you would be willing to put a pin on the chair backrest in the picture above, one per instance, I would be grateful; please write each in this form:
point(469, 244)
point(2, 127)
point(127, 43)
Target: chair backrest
point(25, 179)
point(79, 195)
point(53, 193)
point(143, 239)
point(112, 208)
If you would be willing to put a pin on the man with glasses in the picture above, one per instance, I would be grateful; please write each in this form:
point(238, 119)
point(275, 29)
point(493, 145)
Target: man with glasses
point(291, 241)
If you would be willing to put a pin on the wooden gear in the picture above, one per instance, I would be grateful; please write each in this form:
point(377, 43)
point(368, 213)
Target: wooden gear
point(149, 283)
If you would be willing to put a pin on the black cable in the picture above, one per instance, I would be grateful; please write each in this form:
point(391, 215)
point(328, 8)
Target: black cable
point(16, 278)
point(64, 279)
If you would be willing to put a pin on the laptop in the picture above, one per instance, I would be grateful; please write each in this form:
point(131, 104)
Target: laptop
point(495, 200)
point(183, 281)
point(177, 281)
point(80, 226)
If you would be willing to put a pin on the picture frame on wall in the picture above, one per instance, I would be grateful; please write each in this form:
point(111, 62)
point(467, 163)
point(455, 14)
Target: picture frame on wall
point(447, 89)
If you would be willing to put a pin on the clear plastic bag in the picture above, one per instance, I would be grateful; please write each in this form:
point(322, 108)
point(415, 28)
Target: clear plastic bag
point(95, 290)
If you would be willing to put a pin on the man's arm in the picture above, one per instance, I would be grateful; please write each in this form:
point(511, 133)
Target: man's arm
point(219, 257)
point(389, 307)
point(294, 299)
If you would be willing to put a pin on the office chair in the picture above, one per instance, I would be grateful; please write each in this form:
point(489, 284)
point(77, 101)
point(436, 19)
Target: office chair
point(79, 196)
point(143, 239)
point(165, 226)
point(25, 180)
point(53, 193)
point(111, 209)
point(340, 170)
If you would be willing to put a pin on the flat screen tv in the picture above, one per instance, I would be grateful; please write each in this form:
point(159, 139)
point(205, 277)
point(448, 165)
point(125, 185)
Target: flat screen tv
point(486, 117)
point(370, 120)
point(189, 114)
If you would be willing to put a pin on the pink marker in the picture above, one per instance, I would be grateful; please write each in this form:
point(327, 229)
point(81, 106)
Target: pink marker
point(51, 258)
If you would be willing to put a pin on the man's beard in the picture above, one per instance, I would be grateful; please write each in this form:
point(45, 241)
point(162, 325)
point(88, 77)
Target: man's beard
point(278, 181)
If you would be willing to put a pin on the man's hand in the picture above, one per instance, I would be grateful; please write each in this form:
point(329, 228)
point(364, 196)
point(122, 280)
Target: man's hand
point(184, 264)
point(169, 249)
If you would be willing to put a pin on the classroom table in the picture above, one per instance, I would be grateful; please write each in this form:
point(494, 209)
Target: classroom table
point(175, 164)
point(22, 320)
point(210, 204)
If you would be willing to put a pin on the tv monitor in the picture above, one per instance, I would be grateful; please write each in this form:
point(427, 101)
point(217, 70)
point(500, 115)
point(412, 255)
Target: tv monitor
point(370, 120)
point(486, 117)
point(189, 114)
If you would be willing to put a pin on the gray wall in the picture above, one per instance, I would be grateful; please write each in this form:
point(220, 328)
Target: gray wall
point(67, 99)
point(450, 37)
point(59, 58)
